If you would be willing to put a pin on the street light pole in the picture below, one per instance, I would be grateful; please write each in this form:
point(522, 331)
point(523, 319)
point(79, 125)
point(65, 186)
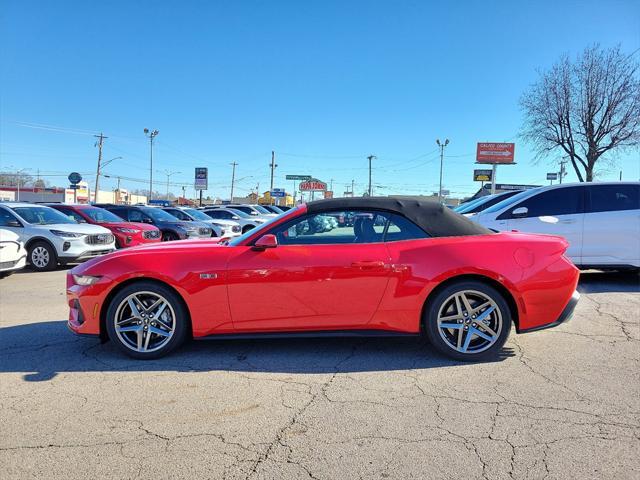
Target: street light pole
point(233, 179)
point(168, 173)
point(151, 135)
point(441, 145)
point(370, 157)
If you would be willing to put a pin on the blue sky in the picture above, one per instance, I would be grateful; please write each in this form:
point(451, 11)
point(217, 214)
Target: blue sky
point(324, 84)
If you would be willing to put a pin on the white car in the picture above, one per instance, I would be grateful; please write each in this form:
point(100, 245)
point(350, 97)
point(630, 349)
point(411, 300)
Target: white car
point(13, 255)
point(601, 221)
point(257, 211)
point(52, 238)
point(246, 221)
point(221, 228)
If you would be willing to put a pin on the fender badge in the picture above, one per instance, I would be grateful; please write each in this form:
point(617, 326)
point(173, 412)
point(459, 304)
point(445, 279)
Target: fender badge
point(207, 276)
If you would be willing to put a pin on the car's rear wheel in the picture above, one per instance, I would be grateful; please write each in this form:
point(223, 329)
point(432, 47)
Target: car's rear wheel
point(146, 320)
point(468, 321)
point(42, 257)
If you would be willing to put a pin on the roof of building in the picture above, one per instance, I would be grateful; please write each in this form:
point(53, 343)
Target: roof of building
point(433, 217)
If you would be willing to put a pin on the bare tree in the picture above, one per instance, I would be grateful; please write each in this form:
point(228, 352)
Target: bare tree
point(585, 108)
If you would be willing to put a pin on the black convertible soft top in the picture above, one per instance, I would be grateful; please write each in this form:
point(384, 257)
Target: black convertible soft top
point(433, 217)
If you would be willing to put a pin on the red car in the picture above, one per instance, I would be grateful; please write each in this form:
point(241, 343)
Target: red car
point(403, 268)
point(128, 234)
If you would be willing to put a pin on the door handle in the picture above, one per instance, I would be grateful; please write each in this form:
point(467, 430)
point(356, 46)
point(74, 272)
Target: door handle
point(368, 264)
point(567, 221)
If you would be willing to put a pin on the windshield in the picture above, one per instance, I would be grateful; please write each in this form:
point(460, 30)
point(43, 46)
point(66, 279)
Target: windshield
point(100, 215)
point(159, 215)
point(509, 201)
point(239, 213)
point(261, 209)
point(197, 214)
point(238, 240)
point(469, 205)
point(42, 215)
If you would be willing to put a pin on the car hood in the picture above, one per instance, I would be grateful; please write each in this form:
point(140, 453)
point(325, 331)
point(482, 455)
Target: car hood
point(83, 228)
point(137, 225)
point(8, 236)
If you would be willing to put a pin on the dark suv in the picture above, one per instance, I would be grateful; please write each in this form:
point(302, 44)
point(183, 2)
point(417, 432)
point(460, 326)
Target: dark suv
point(170, 226)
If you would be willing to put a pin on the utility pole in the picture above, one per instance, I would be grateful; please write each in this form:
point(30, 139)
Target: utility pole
point(441, 145)
point(353, 182)
point(151, 135)
point(273, 167)
point(233, 179)
point(98, 144)
point(370, 157)
point(184, 192)
point(168, 173)
point(331, 183)
point(562, 170)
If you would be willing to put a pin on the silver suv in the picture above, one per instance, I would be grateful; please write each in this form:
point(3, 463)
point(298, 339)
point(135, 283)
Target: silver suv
point(52, 238)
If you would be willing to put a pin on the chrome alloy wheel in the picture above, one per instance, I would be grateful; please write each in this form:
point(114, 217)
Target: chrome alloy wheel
point(145, 321)
point(40, 257)
point(469, 321)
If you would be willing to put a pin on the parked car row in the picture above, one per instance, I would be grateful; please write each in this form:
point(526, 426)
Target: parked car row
point(47, 235)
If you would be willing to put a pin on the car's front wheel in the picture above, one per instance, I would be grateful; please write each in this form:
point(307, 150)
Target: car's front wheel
point(468, 321)
point(42, 257)
point(147, 320)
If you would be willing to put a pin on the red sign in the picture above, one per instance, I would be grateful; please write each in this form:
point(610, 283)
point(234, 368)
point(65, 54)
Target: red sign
point(495, 152)
point(313, 185)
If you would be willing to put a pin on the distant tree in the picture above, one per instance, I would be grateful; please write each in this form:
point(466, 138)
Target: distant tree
point(40, 183)
point(11, 179)
point(584, 108)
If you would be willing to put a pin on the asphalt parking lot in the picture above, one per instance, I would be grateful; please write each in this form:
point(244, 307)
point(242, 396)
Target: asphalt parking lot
point(561, 403)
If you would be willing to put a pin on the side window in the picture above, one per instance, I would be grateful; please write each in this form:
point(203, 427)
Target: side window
point(136, 216)
point(334, 228)
point(401, 228)
point(6, 218)
point(559, 201)
point(72, 215)
point(613, 198)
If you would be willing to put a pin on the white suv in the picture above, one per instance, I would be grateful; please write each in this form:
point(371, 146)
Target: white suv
point(601, 221)
point(51, 237)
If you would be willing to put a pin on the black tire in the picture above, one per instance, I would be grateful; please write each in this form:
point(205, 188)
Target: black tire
point(180, 321)
point(169, 237)
point(40, 252)
point(443, 299)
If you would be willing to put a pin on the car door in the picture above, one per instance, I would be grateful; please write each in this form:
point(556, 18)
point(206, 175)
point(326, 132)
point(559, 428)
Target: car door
point(317, 278)
point(9, 221)
point(612, 225)
point(556, 211)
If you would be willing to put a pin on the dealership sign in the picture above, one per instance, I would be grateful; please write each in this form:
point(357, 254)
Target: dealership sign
point(495, 152)
point(277, 192)
point(313, 186)
point(482, 175)
point(201, 181)
point(552, 176)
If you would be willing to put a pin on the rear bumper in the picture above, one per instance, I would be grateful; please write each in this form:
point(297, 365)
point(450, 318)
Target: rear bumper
point(566, 314)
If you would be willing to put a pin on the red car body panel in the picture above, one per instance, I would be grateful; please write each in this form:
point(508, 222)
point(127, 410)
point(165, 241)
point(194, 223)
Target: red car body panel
point(374, 286)
point(123, 239)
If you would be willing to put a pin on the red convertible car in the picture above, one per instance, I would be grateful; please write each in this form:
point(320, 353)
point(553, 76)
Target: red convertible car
point(404, 267)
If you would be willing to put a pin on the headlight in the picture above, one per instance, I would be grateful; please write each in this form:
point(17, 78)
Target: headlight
point(85, 279)
point(127, 230)
point(235, 228)
point(60, 233)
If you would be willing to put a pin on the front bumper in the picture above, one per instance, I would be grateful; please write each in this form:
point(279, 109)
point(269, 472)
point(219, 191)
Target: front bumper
point(566, 314)
point(85, 255)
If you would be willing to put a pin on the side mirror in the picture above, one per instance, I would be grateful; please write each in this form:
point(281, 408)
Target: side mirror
point(14, 223)
point(266, 241)
point(147, 220)
point(520, 212)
